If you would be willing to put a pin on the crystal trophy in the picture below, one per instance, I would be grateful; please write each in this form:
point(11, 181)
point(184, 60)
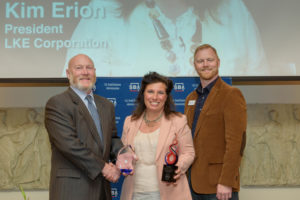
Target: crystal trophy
point(125, 159)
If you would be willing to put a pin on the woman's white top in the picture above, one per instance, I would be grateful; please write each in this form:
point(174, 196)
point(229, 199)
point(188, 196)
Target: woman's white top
point(146, 182)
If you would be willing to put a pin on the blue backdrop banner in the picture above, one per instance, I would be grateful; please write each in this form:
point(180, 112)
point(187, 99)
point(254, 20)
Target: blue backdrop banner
point(122, 93)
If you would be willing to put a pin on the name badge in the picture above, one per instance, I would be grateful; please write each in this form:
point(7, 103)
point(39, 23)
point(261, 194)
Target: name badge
point(191, 102)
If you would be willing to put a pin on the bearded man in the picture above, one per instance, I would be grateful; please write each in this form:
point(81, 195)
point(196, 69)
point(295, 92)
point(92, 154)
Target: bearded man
point(216, 114)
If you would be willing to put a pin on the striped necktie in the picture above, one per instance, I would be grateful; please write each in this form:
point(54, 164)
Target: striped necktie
point(94, 113)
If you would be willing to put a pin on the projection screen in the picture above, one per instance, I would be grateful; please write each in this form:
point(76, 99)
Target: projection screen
point(128, 38)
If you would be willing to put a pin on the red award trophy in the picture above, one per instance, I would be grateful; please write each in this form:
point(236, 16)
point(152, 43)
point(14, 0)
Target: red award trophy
point(171, 159)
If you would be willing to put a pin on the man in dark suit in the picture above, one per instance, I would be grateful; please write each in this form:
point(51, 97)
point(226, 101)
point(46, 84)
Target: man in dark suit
point(216, 113)
point(83, 136)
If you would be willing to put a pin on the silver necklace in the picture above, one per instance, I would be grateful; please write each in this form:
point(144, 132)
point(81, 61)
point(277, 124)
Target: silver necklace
point(151, 121)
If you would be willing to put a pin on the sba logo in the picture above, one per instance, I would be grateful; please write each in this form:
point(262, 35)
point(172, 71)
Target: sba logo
point(134, 87)
point(179, 87)
point(113, 100)
point(114, 192)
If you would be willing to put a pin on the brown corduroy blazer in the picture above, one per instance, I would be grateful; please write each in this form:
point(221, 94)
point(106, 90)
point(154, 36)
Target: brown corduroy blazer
point(219, 138)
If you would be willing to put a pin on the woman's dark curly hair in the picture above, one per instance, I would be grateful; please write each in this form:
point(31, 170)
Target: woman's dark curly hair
point(153, 77)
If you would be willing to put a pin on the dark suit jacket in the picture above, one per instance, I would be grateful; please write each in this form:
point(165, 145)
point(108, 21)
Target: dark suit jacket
point(219, 138)
point(78, 155)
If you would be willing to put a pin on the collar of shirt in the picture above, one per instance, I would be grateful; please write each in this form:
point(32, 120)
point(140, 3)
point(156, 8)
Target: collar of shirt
point(82, 95)
point(207, 89)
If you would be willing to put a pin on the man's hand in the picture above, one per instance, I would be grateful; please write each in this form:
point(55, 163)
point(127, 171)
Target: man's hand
point(223, 192)
point(111, 172)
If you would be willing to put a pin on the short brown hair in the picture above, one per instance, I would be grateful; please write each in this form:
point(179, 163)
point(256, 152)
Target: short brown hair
point(205, 46)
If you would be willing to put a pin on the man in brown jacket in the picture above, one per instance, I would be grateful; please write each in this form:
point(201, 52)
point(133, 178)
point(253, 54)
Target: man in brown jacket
point(216, 113)
point(83, 135)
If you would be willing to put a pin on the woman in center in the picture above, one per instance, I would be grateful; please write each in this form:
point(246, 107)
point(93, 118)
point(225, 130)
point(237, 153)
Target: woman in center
point(152, 128)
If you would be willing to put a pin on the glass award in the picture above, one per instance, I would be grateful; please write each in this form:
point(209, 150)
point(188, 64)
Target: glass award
point(125, 159)
point(171, 159)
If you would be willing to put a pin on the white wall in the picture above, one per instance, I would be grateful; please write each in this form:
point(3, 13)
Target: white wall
point(38, 96)
point(27, 96)
point(285, 94)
